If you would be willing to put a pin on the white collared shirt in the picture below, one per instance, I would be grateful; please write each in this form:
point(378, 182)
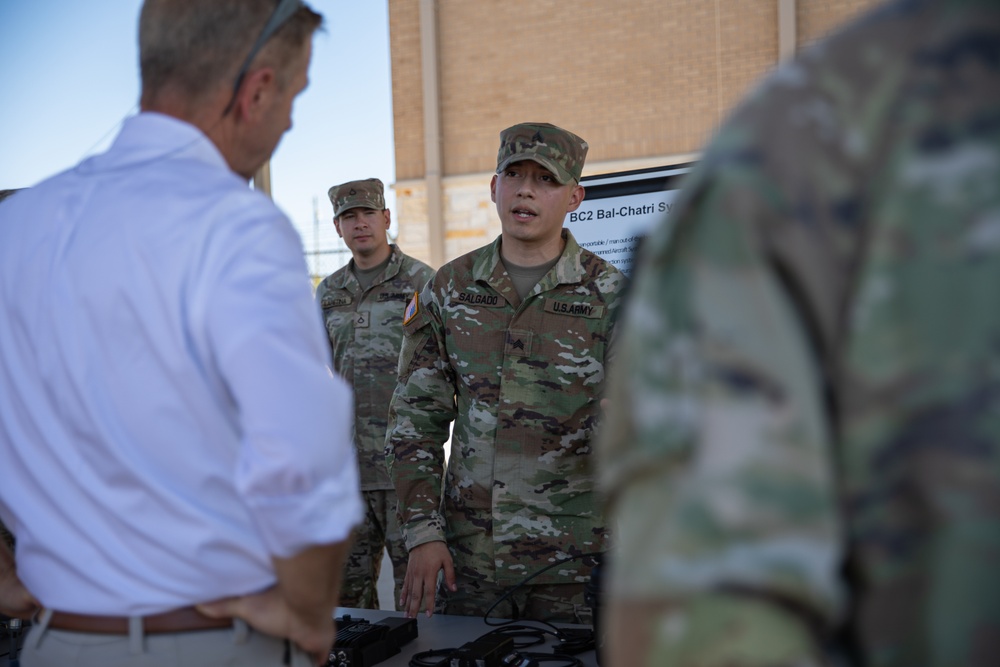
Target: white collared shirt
point(168, 422)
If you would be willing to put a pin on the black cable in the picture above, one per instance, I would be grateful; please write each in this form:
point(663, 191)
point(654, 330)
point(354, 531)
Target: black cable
point(570, 640)
point(510, 591)
point(534, 635)
point(575, 640)
point(422, 659)
point(566, 660)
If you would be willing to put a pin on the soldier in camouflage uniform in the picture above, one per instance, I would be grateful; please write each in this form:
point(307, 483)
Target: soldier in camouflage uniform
point(803, 441)
point(509, 343)
point(363, 311)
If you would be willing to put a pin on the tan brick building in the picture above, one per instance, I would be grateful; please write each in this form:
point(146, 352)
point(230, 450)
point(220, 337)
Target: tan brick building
point(645, 82)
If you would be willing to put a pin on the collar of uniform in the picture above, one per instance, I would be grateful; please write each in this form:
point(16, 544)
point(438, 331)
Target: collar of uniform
point(567, 271)
point(346, 275)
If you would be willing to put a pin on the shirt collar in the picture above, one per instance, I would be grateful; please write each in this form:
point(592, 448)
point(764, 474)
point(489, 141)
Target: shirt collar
point(567, 271)
point(150, 136)
point(346, 276)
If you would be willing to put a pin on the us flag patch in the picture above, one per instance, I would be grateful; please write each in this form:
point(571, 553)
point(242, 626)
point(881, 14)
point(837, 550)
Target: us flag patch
point(412, 309)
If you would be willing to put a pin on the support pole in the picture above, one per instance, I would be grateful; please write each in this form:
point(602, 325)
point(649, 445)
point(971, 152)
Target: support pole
point(786, 30)
point(432, 131)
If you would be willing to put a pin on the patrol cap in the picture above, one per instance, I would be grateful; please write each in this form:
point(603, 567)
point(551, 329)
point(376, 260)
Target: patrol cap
point(558, 150)
point(368, 193)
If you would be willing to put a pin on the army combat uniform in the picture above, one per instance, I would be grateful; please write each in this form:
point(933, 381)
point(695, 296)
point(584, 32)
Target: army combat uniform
point(365, 332)
point(803, 447)
point(522, 383)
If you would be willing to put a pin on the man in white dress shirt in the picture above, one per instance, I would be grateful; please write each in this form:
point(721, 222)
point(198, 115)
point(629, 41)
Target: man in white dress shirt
point(166, 410)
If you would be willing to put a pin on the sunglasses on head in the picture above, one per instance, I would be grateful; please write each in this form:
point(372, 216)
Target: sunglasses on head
point(282, 12)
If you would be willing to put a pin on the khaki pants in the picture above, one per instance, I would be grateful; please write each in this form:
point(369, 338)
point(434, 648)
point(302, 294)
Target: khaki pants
point(45, 647)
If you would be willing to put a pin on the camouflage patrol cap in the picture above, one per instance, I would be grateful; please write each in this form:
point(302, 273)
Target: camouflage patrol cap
point(558, 150)
point(368, 193)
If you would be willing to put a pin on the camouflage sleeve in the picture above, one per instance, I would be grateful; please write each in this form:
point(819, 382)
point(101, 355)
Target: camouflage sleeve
point(615, 287)
point(422, 408)
point(318, 294)
point(716, 451)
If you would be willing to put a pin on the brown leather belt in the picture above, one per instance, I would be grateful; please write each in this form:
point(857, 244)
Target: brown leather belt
point(185, 619)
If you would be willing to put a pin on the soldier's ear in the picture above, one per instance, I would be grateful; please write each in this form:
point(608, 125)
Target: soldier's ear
point(387, 218)
point(576, 198)
point(336, 224)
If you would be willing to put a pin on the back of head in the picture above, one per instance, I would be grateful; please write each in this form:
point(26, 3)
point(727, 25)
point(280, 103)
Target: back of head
point(194, 46)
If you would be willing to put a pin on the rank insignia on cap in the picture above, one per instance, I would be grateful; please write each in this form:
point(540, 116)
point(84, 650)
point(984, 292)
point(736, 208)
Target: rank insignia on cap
point(412, 309)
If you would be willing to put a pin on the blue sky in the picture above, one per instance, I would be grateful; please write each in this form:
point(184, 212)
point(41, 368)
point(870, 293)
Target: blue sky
point(69, 74)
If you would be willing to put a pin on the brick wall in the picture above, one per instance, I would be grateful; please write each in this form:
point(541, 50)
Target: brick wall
point(640, 80)
point(816, 18)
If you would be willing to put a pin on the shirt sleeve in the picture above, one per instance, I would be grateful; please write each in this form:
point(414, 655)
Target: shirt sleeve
point(297, 469)
point(422, 409)
point(716, 454)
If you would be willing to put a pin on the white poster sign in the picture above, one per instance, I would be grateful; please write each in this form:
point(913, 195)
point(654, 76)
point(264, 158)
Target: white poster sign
point(619, 209)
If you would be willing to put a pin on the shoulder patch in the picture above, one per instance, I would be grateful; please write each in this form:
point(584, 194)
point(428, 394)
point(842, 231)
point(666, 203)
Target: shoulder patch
point(574, 308)
point(412, 309)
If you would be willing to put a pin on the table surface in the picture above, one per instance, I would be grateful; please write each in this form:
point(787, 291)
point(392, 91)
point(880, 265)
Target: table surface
point(442, 631)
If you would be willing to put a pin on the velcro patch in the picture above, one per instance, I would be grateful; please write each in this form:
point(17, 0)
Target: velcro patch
point(518, 343)
point(334, 302)
point(393, 296)
point(478, 299)
point(412, 309)
point(361, 320)
point(574, 308)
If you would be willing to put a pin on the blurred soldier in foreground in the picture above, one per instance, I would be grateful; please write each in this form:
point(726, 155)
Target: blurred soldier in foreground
point(173, 442)
point(363, 310)
point(803, 444)
point(509, 342)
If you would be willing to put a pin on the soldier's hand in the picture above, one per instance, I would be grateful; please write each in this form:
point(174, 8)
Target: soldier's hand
point(422, 569)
